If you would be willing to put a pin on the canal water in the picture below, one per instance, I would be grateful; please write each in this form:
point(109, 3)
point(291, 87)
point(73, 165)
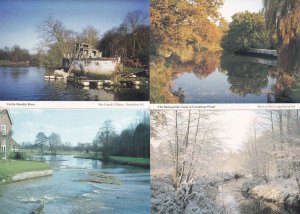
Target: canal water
point(65, 193)
point(231, 198)
point(27, 83)
point(233, 79)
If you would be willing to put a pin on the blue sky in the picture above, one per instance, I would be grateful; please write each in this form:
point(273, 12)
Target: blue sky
point(19, 17)
point(73, 125)
point(231, 7)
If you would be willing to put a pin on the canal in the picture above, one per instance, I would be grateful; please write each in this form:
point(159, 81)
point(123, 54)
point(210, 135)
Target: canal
point(235, 202)
point(66, 192)
point(229, 79)
point(28, 84)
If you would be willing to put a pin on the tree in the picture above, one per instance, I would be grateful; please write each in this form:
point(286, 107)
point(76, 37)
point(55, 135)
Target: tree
point(130, 40)
point(54, 141)
point(133, 20)
point(102, 140)
point(54, 35)
point(181, 31)
point(187, 138)
point(283, 23)
point(41, 140)
point(185, 28)
point(89, 35)
point(247, 30)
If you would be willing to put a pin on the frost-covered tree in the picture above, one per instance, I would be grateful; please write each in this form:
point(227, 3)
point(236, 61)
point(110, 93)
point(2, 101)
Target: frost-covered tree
point(274, 145)
point(187, 139)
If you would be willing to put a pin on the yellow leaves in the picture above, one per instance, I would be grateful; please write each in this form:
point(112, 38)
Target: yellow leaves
point(185, 27)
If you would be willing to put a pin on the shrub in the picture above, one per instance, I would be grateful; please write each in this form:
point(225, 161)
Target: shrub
point(17, 155)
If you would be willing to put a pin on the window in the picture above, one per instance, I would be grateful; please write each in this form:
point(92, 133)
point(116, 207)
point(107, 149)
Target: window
point(3, 148)
point(3, 129)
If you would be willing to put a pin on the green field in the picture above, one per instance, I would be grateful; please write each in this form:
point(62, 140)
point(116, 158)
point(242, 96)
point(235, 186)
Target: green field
point(134, 161)
point(30, 152)
point(9, 168)
point(130, 160)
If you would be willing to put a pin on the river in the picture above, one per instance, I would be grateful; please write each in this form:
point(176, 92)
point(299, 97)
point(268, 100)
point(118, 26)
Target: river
point(230, 79)
point(65, 193)
point(231, 198)
point(28, 84)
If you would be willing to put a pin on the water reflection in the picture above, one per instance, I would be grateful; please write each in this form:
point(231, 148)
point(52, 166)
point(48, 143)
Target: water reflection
point(230, 79)
point(232, 199)
point(245, 75)
point(27, 83)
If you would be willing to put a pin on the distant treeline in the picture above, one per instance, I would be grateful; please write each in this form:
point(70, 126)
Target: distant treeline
point(133, 141)
point(129, 40)
point(17, 54)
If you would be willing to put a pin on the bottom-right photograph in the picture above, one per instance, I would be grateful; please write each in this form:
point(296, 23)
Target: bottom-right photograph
point(225, 161)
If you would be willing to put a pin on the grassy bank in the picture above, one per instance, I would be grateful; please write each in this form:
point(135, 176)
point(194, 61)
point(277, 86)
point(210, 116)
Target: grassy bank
point(132, 161)
point(9, 168)
point(30, 152)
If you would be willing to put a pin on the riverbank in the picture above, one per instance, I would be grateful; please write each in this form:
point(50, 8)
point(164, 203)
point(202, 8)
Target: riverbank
point(132, 161)
point(11, 63)
point(30, 152)
point(282, 192)
point(15, 170)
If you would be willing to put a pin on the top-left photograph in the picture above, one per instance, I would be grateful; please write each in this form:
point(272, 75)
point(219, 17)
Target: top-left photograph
point(60, 50)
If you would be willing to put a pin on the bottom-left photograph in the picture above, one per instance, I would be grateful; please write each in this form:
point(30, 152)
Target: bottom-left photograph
point(74, 161)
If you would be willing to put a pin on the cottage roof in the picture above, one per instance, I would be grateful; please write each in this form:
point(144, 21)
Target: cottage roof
point(3, 111)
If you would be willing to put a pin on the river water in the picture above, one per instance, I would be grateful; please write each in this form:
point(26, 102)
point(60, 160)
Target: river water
point(64, 193)
point(230, 79)
point(231, 198)
point(27, 83)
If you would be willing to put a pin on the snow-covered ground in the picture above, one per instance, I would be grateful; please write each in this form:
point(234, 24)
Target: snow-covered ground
point(200, 198)
point(283, 192)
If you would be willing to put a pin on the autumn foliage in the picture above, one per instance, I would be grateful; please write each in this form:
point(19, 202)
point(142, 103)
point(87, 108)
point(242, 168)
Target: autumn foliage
point(181, 29)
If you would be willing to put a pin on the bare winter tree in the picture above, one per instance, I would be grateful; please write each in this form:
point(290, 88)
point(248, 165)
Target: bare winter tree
point(133, 20)
point(55, 38)
point(188, 137)
point(90, 35)
point(274, 145)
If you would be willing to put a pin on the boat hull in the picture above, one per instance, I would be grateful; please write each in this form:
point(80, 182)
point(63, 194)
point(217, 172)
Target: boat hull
point(103, 67)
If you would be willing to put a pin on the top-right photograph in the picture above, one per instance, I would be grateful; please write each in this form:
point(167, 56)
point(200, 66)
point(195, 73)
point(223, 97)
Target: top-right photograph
point(225, 51)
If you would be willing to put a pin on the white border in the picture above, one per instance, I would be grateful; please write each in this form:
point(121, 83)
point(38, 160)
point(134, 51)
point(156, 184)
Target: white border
point(74, 104)
point(231, 106)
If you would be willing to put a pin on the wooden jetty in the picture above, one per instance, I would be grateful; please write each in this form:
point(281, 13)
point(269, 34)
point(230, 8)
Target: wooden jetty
point(127, 81)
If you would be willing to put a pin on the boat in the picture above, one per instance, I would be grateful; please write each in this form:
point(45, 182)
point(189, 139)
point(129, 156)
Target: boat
point(86, 60)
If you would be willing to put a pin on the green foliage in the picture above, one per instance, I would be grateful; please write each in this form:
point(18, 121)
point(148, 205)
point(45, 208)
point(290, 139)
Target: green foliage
point(247, 30)
point(41, 140)
point(17, 155)
point(133, 142)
